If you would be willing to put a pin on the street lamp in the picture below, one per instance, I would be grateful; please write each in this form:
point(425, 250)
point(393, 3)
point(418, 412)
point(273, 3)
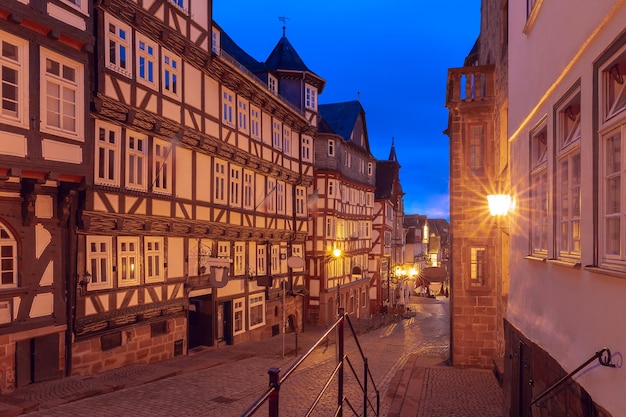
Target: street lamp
point(336, 255)
point(500, 204)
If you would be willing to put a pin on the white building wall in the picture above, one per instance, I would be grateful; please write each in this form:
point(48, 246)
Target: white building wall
point(569, 311)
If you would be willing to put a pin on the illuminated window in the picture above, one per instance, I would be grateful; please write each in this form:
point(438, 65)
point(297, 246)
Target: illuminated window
point(128, 261)
point(477, 267)
point(136, 157)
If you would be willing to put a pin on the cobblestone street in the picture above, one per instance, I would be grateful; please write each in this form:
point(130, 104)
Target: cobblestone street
point(238, 375)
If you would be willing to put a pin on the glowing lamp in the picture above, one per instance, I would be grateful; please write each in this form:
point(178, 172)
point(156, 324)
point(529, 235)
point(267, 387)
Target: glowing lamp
point(499, 204)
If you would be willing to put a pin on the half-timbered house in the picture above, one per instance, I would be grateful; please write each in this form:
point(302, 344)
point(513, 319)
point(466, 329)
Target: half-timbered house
point(44, 53)
point(193, 221)
point(388, 236)
point(345, 174)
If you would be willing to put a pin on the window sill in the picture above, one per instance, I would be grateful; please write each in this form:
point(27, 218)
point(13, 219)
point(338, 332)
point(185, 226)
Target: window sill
point(535, 258)
point(564, 263)
point(603, 271)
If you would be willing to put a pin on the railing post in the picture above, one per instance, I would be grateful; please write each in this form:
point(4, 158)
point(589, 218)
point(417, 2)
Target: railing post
point(274, 396)
point(365, 387)
point(340, 331)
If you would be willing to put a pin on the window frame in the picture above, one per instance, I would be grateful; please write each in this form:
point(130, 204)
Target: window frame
point(154, 256)
point(239, 307)
point(538, 199)
point(310, 101)
point(76, 86)
point(123, 46)
point(256, 301)
point(21, 85)
point(128, 258)
point(243, 115)
point(150, 61)
point(171, 75)
point(220, 179)
point(228, 104)
point(476, 152)
point(133, 156)
point(307, 149)
point(105, 260)
point(8, 261)
point(235, 187)
point(162, 163)
point(102, 163)
point(479, 269)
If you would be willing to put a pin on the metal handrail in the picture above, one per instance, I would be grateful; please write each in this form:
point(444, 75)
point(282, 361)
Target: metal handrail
point(604, 358)
point(272, 393)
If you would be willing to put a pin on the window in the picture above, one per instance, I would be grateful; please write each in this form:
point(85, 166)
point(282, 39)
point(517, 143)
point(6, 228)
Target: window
point(227, 108)
point(256, 310)
point(235, 186)
point(136, 168)
point(127, 261)
point(255, 122)
point(477, 267)
point(280, 197)
point(239, 266)
point(248, 185)
point(276, 134)
point(107, 166)
point(62, 85)
point(370, 169)
point(242, 113)
point(331, 147)
point(223, 250)
point(99, 262)
point(153, 248)
point(306, 149)
point(331, 188)
point(568, 178)
point(261, 260)
point(171, 74)
point(311, 98)
point(162, 171)
point(238, 316)
point(147, 61)
point(477, 150)
point(181, 4)
point(14, 76)
point(612, 165)
point(215, 40)
point(300, 201)
point(348, 161)
point(80, 5)
point(8, 258)
point(286, 141)
point(330, 227)
point(270, 193)
point(539, 191)
point(272, 84)
point(275, 260)
point(118, 45)
point(220, 182)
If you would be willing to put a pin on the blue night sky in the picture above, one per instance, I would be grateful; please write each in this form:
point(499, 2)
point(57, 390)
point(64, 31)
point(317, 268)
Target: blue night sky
point(395, 53)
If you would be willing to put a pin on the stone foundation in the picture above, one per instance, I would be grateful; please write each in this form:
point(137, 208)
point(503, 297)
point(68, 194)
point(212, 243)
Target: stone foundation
point(141, 344)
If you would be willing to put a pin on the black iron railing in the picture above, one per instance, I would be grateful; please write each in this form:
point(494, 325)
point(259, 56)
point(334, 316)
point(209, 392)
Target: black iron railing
point(272, 393)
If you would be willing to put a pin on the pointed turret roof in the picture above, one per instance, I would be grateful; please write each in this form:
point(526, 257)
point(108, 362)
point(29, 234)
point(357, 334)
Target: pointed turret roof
point(284, 57)
point(392, 153)
point(241, 56)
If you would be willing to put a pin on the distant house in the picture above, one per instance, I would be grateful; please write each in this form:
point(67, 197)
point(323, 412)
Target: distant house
point(345, 173)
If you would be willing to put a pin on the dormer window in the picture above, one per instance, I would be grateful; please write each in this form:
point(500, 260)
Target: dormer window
point(311, 98)
point(272, 84)
point(215, 40)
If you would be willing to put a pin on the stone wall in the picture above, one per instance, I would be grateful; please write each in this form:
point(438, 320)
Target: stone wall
point(139, 344)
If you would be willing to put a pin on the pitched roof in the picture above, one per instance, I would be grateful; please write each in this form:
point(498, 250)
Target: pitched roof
point(340, 117)
point(285, 57)
point(241, 56)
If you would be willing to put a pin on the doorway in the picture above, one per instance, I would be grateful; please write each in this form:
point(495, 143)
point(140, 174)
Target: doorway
point(200, 321)
point(225, 322)
point(37, 360)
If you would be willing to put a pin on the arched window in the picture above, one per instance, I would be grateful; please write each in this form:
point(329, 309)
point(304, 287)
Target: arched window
point(8, 258)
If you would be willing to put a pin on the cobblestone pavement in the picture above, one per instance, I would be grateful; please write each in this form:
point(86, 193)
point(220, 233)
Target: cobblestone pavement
point(226, 381)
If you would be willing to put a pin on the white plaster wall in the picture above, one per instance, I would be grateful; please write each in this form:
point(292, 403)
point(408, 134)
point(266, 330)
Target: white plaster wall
point(569, 312)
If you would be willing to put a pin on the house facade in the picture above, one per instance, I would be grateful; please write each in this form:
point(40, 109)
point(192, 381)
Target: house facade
point(345, 173)
point(566, 131)
point(477, 102)
point(44, 152)
point(196, 202)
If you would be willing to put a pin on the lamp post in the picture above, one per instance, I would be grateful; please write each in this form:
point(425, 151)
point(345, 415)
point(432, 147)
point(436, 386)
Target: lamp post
point(336, 255)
